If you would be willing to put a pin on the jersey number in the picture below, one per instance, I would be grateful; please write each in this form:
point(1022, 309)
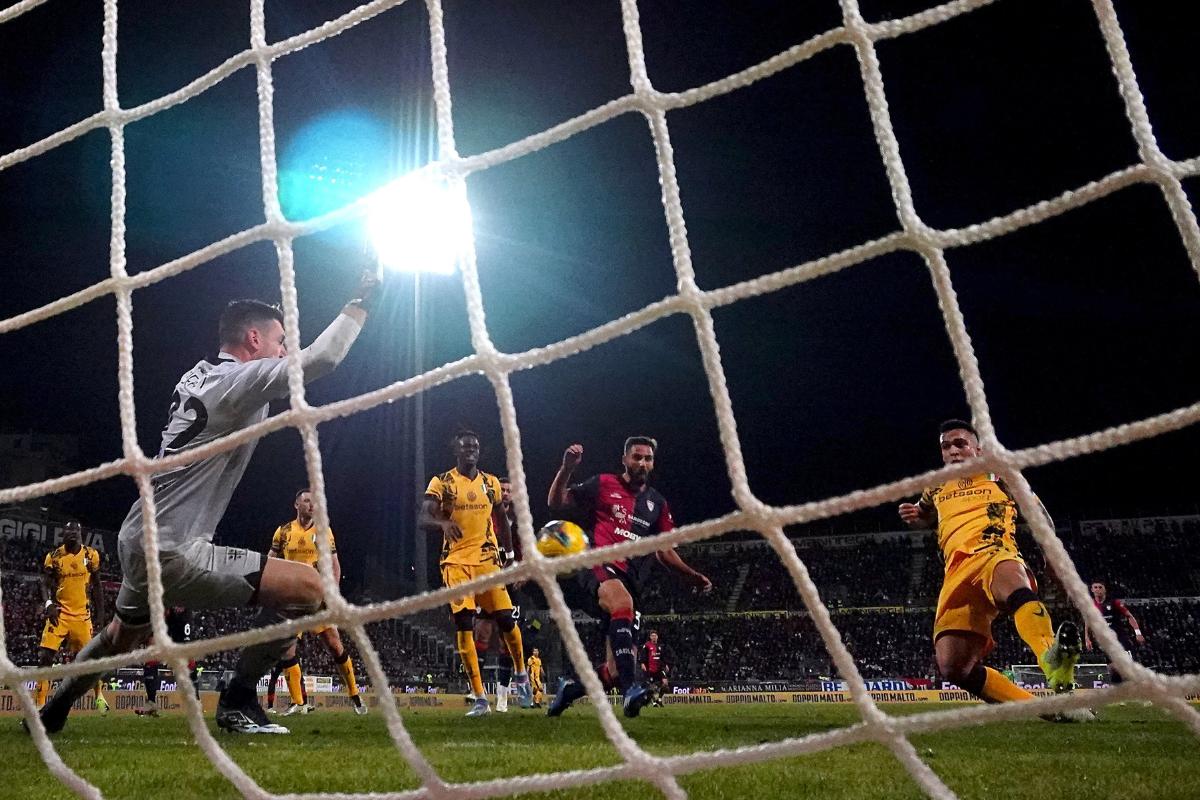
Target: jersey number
point(193, 430)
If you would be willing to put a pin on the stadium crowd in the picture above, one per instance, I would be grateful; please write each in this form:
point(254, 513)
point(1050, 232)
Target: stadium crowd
point(754, 626)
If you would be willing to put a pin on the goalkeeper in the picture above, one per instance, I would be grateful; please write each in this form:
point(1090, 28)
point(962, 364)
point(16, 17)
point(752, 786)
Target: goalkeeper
point(213, 400)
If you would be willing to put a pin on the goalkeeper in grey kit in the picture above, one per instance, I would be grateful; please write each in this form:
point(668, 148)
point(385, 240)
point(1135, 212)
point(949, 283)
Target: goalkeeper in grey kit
point(212, 400)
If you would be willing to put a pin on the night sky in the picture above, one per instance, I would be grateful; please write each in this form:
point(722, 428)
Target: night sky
point(1082, 322)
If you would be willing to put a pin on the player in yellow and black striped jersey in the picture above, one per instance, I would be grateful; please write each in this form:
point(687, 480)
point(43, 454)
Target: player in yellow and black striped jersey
point(459, 504)
point(73, 598)
point(976, 521)
point(297, 541)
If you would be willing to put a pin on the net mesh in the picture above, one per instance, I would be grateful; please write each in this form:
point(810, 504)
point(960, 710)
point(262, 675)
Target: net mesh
point(1153, 167)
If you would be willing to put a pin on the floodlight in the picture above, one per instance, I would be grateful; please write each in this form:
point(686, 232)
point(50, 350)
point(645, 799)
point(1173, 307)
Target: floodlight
point(420, 223)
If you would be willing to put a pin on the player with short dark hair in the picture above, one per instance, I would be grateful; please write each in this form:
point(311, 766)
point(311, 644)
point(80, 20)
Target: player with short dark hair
point(460, 504)
point(213, 400)
point(619, 508)
point(73, 598)
point(985, 575)
point(1111, 608)
point(656, 666)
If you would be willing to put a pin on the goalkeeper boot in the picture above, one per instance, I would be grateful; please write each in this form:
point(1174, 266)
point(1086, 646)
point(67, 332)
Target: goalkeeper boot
point(524, 690)
point(246, 716)
point(569, 690)
point(481, 708)
point(636, 698)
point(1059, 660)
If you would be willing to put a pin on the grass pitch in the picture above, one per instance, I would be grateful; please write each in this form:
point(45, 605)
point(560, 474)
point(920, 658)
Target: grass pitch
point(1131, 753)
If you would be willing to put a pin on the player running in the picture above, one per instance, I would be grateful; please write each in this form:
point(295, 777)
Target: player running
point(459, 504)
point(1110, 609)
point(213, 400)
point(618, 508)
point(73, 596)
point(976, 521)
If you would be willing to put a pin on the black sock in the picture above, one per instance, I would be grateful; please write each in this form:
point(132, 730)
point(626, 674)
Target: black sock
point(151, 681)
point(276, 671)
point(620, 637)
point(505, 671)
point(974, 681)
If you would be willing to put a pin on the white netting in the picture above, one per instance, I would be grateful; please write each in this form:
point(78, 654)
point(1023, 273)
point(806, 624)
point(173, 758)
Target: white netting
point(752, 514)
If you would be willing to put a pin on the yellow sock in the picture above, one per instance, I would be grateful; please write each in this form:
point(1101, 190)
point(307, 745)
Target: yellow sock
point(999, 689)
point(295, 684)
point(99, 690)
point(1033, 624)
point(512, 640)
point(470, 660)
point(346, 667)
point(39, 694)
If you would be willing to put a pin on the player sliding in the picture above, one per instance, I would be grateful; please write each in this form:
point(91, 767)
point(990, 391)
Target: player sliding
point(619, 508)
point(459, 504)
point(73, 597)
point(212, 400)
point(297, 541)
point(976, 521)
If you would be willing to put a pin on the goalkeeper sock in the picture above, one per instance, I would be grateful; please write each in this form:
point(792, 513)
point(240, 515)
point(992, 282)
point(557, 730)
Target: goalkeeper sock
point(39, 694)
point(470, 660)
point(1032, 621)
point(620, 637)
point(295, 681)
point(255, 660)
point(346, 667)
point(98, 689)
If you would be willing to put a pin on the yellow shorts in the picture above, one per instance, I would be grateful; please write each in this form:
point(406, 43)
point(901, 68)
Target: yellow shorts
point(490, 600)
point(76, 630)
point(966, 602)
point(317, 631)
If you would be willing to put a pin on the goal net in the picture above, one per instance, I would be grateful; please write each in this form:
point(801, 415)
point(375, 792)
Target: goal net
point(913, 235)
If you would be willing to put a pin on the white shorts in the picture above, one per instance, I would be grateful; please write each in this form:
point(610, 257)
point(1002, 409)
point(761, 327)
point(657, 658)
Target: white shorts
point(200, 575)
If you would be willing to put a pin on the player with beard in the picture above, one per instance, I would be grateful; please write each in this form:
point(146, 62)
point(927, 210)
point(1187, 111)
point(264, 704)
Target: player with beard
point(617, 508)
point(1110, 609)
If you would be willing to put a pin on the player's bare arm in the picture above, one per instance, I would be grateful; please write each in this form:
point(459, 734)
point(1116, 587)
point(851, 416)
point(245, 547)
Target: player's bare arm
point(673, 560)
point(503, 531)
point(96, 592)
point(1133, 624)
point(49, 601)
point(431, 520)
point(559, 497)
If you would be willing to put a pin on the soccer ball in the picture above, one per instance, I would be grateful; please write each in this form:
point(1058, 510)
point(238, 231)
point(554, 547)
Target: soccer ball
point(561, 538)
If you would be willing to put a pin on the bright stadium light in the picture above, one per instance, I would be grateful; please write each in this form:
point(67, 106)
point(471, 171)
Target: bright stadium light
point(420, 223)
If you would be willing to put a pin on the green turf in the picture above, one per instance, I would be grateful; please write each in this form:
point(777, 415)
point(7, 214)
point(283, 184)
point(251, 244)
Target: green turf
point(1131, 753)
